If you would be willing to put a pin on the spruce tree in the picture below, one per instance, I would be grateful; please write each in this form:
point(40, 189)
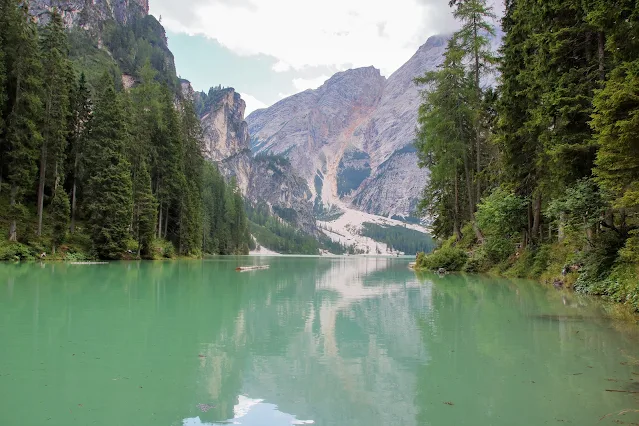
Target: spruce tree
point(24, 108)
point(79, 128)
point(144, 211)
point(109, 188)
point(475, 17)
point(55, 60)
point(444, 141)
point(167, 160)
point(190, 212)
point(60, 209)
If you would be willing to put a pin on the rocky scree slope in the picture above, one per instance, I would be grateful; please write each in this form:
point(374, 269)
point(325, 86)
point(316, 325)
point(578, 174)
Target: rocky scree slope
point(352, 138)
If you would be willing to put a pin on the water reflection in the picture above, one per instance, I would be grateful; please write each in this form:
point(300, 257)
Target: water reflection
point(253, 412)
point(353, 336)
point(331, 341)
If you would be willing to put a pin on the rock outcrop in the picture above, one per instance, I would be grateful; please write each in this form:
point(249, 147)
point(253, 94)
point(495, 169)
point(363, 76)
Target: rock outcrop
point(90, 14)
point(351, 139)
point(263, 178)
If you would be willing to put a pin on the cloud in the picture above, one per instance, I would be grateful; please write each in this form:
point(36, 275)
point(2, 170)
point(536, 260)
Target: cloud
point(301, 34)
point(252, 103)
point(302, 84)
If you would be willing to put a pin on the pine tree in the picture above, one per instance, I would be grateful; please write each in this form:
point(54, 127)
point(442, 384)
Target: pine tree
point(444, 140)
point(109, 188)
point(167, 158)
point(474, 41)
point(56, 105)
point(144, 211)
point(79, 126)
point(23, 108)
point(60, 209)
point(190, 212)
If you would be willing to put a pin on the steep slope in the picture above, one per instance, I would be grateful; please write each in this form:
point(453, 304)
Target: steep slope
point(90, 14)
point(263, 178)
point(351, 139)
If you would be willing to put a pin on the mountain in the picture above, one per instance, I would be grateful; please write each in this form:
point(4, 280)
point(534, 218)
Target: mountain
point(351, 139)
point(91, 14)
point(262, 178)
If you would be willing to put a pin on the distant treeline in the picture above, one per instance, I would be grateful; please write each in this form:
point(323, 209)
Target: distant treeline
point(399, 238)
point(277, 235)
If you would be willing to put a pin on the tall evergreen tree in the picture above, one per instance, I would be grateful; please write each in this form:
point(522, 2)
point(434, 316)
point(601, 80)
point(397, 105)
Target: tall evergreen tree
point(443, 141)
point(109, 188)
point(79, 128)
point(23, 109)
point(190, 208)
point(56, 106)
point(475, 17)
point(144, 210)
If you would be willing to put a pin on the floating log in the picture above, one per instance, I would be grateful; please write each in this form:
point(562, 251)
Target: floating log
point(88, 263)
point(251, 268)
point(621, 391)
point(412, 265)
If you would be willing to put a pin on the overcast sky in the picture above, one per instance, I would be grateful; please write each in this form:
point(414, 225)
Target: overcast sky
point(269, 49)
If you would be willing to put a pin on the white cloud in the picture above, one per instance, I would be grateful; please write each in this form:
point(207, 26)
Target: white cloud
point(302, 84)
point(252, 103)
point(307, 33)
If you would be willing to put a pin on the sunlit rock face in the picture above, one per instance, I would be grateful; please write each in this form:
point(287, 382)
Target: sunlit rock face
point(262, 178)
point(355, 133)
point(90, 14)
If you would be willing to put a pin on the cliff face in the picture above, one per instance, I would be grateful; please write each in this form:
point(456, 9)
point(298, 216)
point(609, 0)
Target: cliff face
point(351, 139)
point(90, 14)
point(263, 178)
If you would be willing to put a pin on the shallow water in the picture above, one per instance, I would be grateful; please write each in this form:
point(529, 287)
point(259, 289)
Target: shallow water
point(344, 341)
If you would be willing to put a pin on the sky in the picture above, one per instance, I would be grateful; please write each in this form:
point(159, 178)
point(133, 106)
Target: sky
point(270, 49)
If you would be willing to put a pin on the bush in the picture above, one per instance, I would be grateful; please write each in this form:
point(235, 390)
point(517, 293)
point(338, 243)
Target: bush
point(498, 249)
point(15, 251)
point(449, 258)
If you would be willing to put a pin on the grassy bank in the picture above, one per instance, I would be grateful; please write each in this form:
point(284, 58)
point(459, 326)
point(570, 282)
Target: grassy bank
point(602, 266)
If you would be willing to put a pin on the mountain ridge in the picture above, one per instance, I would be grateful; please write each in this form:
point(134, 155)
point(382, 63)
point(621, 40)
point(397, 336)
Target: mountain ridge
point(348, 138)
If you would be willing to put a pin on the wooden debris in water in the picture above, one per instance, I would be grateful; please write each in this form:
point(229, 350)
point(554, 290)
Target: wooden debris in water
point(88, 263)
point(251, 268)
point(448, 403)
point(621, 391)
point(412, 265)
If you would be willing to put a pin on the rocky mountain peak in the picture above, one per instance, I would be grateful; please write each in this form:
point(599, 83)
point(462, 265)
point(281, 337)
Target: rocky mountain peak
point(226, 132)
point(89, 14)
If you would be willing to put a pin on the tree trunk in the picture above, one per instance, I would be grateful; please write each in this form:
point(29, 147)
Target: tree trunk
point(471, 202)
point(74, 193)
point(166, 222)
point(456, 230)
point(601, 50)
point(43, 174)
point(73, 205)
point(478, 118)
point(562, 226)
point(13, 228)
point(536, 217)
point(160, 223)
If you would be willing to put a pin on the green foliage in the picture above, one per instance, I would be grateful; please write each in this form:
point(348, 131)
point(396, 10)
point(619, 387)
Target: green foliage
point(60, 212)
point(399, 238)
point(109, 187)
point(616, 125)
point(580, 207)
point(23, 109)
point(13, 251)
point(451, 259)
point(502, 214)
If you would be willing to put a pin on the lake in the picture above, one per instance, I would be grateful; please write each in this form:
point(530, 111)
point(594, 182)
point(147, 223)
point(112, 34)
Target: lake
point(324, 341)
